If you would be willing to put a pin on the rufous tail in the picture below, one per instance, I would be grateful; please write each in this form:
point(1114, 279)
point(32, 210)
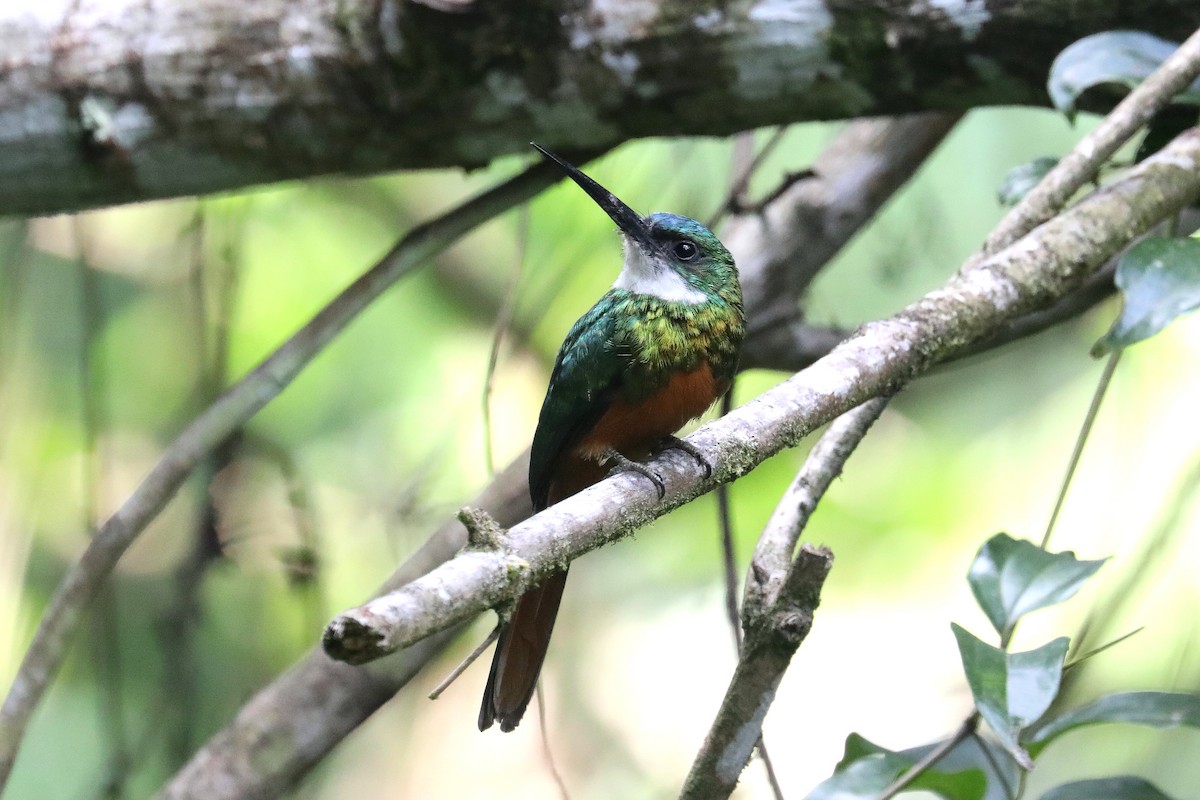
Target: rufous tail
point(520, 651)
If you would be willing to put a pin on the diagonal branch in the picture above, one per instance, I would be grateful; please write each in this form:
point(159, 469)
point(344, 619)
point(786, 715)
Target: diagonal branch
point(1032, 273)
point(81, 583)
point(773, 556)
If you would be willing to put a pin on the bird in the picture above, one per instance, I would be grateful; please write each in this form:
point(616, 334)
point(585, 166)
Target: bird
point(656, 350)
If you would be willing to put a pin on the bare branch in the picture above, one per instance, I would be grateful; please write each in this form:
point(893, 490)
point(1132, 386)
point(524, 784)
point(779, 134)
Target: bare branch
point(773, 555)
point(880, 358)
point(212, 426)
point(781, 595)
point(766, 653)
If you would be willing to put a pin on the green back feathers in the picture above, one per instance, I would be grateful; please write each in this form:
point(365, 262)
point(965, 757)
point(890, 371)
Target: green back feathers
point(630, 343)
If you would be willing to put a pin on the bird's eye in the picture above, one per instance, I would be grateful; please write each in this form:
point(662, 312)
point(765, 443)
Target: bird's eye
point(685, 250)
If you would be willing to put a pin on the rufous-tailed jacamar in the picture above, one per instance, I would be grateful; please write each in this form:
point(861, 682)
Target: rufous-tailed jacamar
point(654, 352)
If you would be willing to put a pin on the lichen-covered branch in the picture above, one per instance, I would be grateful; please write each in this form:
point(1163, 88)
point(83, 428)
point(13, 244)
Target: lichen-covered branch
point(782, 592)
point(773, 555)
point(109, 101)
point(767, 650)
point(1032, 273)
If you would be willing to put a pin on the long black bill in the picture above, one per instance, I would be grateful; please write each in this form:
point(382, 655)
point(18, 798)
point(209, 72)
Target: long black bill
point(626, 218)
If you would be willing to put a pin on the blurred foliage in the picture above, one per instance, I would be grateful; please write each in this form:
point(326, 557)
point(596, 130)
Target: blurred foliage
point(381, 438)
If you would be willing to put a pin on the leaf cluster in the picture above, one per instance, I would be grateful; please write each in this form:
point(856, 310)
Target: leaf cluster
point(1013, 691)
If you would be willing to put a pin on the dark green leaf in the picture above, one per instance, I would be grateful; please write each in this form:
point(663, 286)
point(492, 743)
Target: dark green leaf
point(1124, 787)
point(1159, 280)
point(866, 769)
point(1156, 709)
point(1011, 690)
point(1021, 179)
point(1012, 577)
point(1124, 58)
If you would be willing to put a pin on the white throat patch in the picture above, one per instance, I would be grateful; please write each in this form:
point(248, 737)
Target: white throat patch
point(643, 275)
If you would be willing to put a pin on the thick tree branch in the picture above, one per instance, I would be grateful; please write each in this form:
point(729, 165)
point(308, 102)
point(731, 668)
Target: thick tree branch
point(107, 101)
point(883, 356)
point(77, 588)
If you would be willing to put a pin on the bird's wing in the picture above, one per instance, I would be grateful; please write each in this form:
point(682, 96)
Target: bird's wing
point(587, 377)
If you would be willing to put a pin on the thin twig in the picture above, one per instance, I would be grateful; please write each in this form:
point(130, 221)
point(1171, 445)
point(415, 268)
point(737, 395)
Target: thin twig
point(744, 172)
point(1157, 546)
point(1080, 440)
point(789, 180)
point(1095, 651)
point(503, 321)
point(84, 579)
point(931, 758)
point(547, 753)
point(1009, 790)
point(466, 662)
point(729, 559)
point(769, 767)
point(773, 554)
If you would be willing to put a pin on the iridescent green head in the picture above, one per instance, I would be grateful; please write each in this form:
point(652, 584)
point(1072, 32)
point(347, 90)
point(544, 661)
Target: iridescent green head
point(672, 257)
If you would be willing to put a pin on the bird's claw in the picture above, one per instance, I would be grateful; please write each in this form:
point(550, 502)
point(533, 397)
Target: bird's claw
point(675, 443)
point(622, 464)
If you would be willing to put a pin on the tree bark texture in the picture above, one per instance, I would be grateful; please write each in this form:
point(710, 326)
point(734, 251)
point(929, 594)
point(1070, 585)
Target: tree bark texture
point(110, 101)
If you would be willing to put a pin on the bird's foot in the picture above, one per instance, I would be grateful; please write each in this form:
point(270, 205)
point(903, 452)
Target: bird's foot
point(675, 443)
point(622, 464)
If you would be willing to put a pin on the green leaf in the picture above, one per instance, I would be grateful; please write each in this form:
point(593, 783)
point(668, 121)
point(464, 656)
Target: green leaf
point(1021, 179)
point(1124, 58)
point(1012, 577)
point(866, 769)
point(1124, 787)
point(1011, 690)
point(1156, 709)
point(1159, 280)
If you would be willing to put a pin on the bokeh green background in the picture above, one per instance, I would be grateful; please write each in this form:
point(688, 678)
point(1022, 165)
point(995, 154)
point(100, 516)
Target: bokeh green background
point(382, 437)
